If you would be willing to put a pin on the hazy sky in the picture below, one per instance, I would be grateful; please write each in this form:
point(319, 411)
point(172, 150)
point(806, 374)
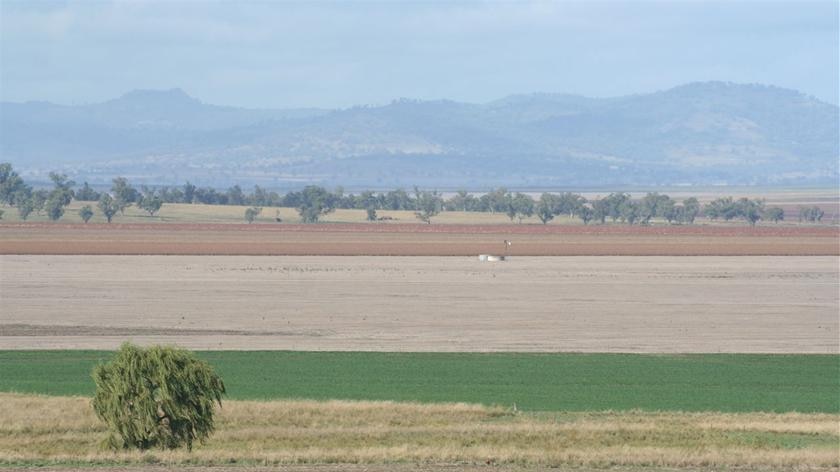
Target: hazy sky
point(337, 54)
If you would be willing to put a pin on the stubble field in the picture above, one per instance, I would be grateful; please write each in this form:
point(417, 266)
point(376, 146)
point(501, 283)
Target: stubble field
point(455, 437)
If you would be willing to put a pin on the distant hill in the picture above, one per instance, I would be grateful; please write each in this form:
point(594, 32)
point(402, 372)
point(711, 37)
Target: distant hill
point(700, 133)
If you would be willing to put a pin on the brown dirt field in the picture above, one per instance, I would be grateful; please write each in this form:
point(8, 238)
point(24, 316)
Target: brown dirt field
point(538, 304)
point(415, 239)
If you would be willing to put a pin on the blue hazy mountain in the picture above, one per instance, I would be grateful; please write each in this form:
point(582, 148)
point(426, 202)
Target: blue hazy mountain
point(699, 133)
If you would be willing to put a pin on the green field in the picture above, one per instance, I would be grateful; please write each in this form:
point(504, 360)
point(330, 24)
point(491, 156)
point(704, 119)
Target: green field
point(534, 382)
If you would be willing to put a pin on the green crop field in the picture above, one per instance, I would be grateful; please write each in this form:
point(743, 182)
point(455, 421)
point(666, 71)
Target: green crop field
point(534, 382)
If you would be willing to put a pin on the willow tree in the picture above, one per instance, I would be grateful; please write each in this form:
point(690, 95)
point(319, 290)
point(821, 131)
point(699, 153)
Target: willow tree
point(156, 397)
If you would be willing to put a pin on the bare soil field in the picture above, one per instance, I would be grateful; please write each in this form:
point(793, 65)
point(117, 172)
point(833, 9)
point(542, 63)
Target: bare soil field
point(415, 239)
point(538, 304)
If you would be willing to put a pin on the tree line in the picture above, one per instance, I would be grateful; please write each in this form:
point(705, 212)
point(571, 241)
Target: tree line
point(313, 202)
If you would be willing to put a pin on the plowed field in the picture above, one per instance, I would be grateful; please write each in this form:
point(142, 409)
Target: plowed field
point(588, 304)
point(415, 239)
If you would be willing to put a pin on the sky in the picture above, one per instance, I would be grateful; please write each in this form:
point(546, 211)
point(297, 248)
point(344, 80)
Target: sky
point(273, 54)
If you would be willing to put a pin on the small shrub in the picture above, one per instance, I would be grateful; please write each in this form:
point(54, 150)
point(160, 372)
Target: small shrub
point(156, 397)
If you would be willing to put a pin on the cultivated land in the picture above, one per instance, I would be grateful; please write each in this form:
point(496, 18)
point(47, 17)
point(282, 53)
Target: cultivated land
point(416, 239)
point(667, 406)
point(734, 383)
point(591, 304)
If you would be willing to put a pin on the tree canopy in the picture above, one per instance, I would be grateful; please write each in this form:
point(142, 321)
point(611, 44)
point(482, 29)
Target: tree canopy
point(160, 397)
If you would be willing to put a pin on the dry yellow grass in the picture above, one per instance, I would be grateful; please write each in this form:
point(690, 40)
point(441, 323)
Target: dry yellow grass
point(37, 429)
point(199, 213)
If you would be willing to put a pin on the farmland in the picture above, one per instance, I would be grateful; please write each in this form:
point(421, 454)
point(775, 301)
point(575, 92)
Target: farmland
point(546, 304)
point(544, 382)
point(413, 239)
point(696, 347)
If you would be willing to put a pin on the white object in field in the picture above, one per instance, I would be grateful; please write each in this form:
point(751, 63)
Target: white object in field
point(490, 258)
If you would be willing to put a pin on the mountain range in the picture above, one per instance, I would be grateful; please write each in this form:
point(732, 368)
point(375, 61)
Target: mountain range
point(707, 133)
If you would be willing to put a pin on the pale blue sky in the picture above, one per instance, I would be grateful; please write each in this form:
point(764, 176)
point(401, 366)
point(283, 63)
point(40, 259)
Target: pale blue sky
point(337, 54)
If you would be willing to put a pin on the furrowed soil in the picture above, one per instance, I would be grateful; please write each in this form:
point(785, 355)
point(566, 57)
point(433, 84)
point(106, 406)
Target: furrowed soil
point(537, 304)
point(415, 239)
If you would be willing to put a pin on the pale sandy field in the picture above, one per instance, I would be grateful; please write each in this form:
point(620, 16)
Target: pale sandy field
point(589, 304)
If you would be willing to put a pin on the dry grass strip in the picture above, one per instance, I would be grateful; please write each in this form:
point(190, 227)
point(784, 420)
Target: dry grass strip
point(63, 430)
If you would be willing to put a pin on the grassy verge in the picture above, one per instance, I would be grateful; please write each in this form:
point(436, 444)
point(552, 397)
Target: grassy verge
point(534, 382)
point(39, 430)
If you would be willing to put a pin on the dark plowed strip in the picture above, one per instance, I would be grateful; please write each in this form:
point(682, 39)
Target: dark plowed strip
point(58, 330)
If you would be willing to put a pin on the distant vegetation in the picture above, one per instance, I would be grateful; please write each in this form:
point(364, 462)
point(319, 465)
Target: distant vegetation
point(313, 202)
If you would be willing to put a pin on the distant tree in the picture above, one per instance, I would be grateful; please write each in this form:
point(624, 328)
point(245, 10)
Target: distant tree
point(774, 214)
point(672, 212)
point(158, 397)
point(398, 200)
point(676, 213)
point(613, 204)
point(171, 195)
point(586, 214)
point(1, 214)
point(150, 203)
point(55, 208)
point(570, 204)
point(370, 203)
point(691, 210)
point(496, 200)
point(313, 202)
point(86, 212)
point(667, 208)
point(209, 196)
point(189, 193)
point(520, 206)
point(427, 204)
point(655, 205)
point(108, 206)
point(750, 210)
point(601, 208)
point(811, 214)
point(235, 196)
point(124, 193)
point(62, 192)
point(11, 184)
point(260, 197)
point(723, 207)
point(629, 211)
point(25, 208)
point(87, 194)
point(59, 197)
point(39, 199)
point(462, 201)
point(251, 214)
point(547, 207)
